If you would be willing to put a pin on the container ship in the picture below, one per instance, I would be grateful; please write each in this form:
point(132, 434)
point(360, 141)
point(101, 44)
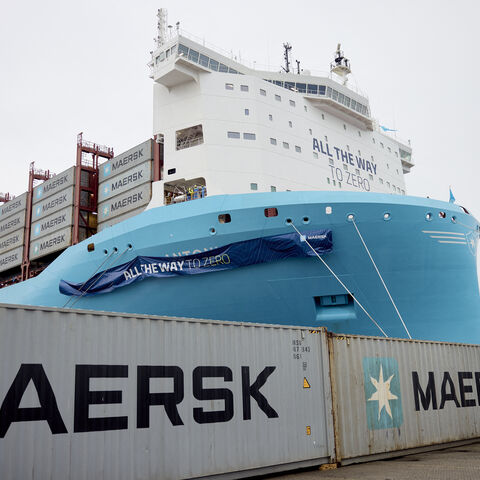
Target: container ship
point(264, 196)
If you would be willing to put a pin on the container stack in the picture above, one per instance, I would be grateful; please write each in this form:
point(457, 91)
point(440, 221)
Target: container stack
point(125, 185)
point(52, 214)
point(12, 232)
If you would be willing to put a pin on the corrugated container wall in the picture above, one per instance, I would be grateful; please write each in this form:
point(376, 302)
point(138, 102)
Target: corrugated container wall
point(125, 186)
point(91, 395)
point(392, 395)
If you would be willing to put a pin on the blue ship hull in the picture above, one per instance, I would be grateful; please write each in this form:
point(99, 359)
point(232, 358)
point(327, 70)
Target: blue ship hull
point(427, 262)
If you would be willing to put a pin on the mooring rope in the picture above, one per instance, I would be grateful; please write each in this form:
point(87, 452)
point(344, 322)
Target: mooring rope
point(381, 278)
point(98, 279)
point(339, 281)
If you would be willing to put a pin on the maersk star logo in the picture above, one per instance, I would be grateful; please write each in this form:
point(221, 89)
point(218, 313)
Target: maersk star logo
point(472, 239)
point(106, 170)
point(37, 230)
point(35, 248)
point(39, 193)
point(106, 190)
point(382, 393)
point(38, 211)
point(106, 211)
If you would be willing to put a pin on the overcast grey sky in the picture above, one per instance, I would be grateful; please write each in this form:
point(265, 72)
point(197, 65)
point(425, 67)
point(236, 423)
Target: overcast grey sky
point(71, 66)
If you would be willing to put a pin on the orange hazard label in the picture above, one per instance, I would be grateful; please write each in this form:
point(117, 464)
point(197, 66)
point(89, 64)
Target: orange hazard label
point(305, 383)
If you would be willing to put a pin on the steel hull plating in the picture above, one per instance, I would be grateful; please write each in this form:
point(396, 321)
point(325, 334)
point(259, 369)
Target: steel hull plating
point(428, 265)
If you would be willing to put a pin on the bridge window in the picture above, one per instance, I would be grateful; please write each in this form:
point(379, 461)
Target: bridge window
point(213, 65)
point(193, 55)
point(204, 60)
point(223, 68)
point(312, 89)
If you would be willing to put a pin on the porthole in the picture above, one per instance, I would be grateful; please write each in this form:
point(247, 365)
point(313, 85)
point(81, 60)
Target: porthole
point(288, 221)
point(105, 252)
point(306, 220)
point(442, 214)
point(350, 217)
point(212, 231)
point(328, 210)
point(387, 216)
point(428, 217)
point(129, 246)
point(115, 249)
point(90, 247)
point(454, 219)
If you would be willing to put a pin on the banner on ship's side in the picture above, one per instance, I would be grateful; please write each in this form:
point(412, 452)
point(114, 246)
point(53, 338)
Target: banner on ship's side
point(234, 255)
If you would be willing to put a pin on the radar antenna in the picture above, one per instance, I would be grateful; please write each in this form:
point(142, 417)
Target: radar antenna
point(287, 47)
point(162, 25)
point(340, 65)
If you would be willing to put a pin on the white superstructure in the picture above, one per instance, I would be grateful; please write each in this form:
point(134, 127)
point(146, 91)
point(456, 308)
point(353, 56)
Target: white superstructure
point(227, 128)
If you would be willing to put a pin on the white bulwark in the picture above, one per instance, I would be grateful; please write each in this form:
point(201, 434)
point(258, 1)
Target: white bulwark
point(51, 243)
point(10, 259)
point(125, 181)
point(53, 203)
point(12, 240)
point(129, 159)
point(54, 185)
point(56, 221)
point(13, 206)
point(130, 200)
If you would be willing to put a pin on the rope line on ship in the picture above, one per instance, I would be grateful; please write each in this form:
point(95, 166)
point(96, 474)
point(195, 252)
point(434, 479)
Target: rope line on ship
point(381, 278)
point(83, 284)
point(341, 283)
point(99, 278)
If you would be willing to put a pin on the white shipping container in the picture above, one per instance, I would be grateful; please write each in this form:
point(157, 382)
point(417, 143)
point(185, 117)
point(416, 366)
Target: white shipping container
point(394, 395)
point(121, 204)
point(112, 396)
point(54, 242)
point(13, 206)
point(10, 259)
point(129, 159)
point(12, 240)
point(125, 181)
point(12, 223)
point(52, 223)
point(121, 218)
point(53, 185)
point(52, 204)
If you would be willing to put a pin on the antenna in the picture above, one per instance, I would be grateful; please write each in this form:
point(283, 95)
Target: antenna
point(162, 25)
point(298, 66)
point(287, 47)
point(340, 65)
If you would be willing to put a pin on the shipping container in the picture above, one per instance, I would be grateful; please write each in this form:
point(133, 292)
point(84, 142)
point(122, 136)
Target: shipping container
point(12, 240)
point(54, 203)
point(131, 200)
point(120, 218)
point(52, 223)
point(129, 159)
point(54, 242)
point(13, 206)
point(125, 181)
point(394, 395)
point(55, 184)
point(12, 223)
point(95, 395)
point(10, 259)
